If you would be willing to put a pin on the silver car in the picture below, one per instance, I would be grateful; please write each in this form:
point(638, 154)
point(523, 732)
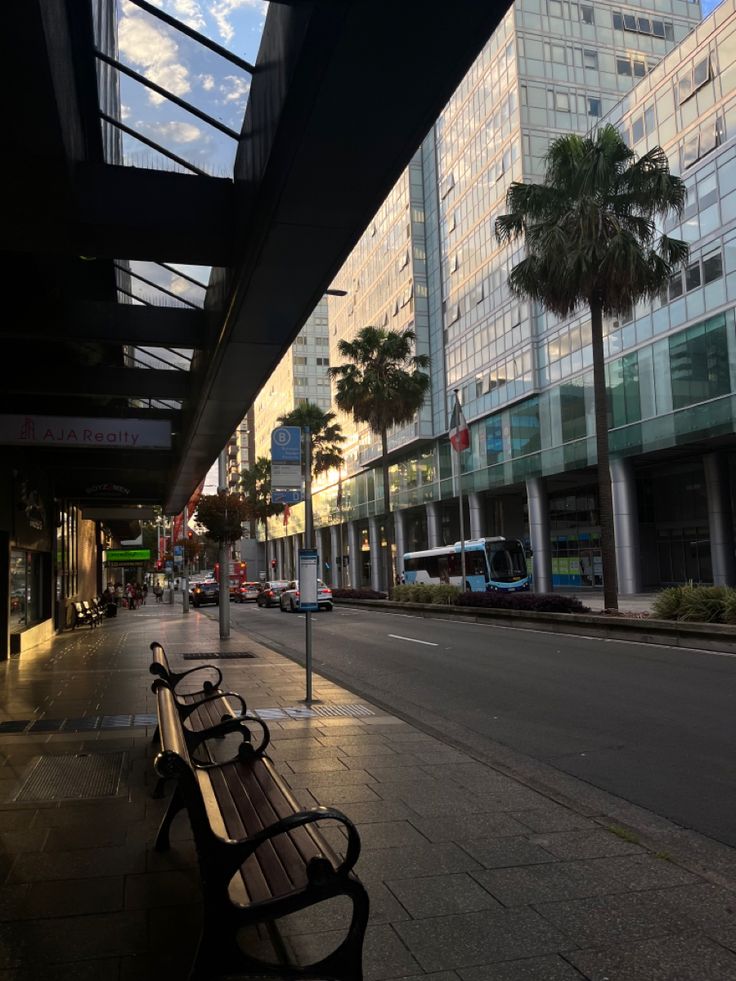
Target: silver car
point(289, 599)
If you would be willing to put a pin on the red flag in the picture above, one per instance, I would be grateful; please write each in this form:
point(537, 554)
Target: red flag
point(287, 512)
point(459, 432)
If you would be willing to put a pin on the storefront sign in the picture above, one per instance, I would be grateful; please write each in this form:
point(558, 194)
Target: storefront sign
point(132, 434)
point(127, 555)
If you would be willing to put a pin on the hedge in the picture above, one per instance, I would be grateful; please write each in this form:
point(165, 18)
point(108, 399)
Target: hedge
point(529, 602)
point(358, 594)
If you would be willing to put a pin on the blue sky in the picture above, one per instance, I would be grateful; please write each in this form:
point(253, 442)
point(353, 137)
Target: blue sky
point(709, 5)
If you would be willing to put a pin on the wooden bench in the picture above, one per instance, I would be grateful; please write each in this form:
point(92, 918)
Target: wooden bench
point(83, 614)
point(260, 855)
point(205, 708)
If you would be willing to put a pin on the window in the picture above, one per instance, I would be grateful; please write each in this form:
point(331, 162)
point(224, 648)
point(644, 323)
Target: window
point(694, 78)
point(623, 390)
point(590, 59)
point(692, 276)
point(640, 69)
point(699, 363)
point(618, 22)
point(554, 8)
point(675, 288)
point(637, 129)
point(629, 22)
point(525, 436)
point(658, 28)
point(594, 106)
point(25, 589)
point(586, 14)
point(572, 411)
point(559, 55)
point(562, 102)
point(712, 267)
point(623, 66)
point(644, 25)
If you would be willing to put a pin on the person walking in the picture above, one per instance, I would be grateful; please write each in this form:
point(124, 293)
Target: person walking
point(158, 592)
point(144, 592)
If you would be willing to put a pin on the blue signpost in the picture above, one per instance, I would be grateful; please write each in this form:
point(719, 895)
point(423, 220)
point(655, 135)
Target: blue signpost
point(286, 465)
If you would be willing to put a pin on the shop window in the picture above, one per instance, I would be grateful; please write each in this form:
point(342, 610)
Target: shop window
point(25, 589)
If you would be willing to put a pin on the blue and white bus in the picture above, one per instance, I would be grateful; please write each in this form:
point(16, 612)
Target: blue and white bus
point(490, 563)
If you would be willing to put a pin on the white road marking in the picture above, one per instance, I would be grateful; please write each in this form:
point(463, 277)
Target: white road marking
point(413, 640)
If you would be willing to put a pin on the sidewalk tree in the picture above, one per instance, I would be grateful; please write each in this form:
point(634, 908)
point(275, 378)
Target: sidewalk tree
point(591, 237)
point(256, 486)
point(221, 515)
point(381, 384)
point(326, 435)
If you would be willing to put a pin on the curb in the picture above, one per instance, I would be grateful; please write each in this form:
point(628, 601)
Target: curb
point(696, 636)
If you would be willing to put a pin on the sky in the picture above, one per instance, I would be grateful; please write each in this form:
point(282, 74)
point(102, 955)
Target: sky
point(709, 5)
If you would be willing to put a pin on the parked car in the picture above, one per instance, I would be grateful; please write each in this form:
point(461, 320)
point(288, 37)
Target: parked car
point(289, 598)
point(270, 592)
point(244, 592)
point(206, 591)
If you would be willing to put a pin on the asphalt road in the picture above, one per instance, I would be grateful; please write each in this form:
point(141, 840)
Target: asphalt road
point(653, 725)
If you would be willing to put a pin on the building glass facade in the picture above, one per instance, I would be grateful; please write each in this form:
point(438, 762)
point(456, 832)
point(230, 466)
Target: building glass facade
point(662, 77)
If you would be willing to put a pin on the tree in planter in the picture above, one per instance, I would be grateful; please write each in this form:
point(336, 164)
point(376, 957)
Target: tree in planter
point(591, 240)
point(384, 385)
point(325, 433)
point(256, 484)
point(222, 516)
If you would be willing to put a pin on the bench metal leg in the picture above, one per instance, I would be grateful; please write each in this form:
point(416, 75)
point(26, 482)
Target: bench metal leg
point(176, 804)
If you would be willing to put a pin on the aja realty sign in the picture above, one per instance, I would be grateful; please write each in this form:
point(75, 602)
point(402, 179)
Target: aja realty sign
point(136, 434)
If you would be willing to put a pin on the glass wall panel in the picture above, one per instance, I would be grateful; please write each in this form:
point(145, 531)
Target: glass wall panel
point(699, 363)
point(524, 420)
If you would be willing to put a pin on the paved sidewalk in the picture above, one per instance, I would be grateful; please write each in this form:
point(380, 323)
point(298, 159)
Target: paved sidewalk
point(474, 873)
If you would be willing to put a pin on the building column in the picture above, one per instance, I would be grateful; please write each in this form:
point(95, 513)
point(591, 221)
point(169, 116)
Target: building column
point(322, 542)
point(720, 519)
point(295, 546)
point(536, 495)
point(336, 556)
point(475, 510)
point(354, 553)
point(434, 525)
point(626, 526)
point(400, 540)
point(279, 556)
point(374, 536)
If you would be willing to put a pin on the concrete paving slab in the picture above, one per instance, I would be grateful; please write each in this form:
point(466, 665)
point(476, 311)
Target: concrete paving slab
point(441, 895)
point(554, 968)
point(670, 958)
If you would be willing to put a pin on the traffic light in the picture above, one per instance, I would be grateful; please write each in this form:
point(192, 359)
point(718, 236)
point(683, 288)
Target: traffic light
point(273, 563)
point(190, 535)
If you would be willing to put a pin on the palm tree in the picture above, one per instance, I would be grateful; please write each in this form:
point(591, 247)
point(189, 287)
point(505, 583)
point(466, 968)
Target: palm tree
point(591, 239)
point(326, 435)
point(256, 484)
point(383, 385)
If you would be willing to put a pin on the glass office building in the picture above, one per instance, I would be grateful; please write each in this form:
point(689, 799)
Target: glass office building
point(429, 261)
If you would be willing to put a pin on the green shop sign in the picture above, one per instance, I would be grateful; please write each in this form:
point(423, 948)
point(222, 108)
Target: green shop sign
point(127, 555)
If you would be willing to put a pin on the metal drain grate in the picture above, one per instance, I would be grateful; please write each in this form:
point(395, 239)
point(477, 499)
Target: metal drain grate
point(313, 712)
point(217, 656)
point(79, 777)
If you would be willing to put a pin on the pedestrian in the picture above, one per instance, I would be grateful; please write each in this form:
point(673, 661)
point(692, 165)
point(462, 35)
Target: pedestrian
point(118, 594)
point(144, 590)
point(158, 592)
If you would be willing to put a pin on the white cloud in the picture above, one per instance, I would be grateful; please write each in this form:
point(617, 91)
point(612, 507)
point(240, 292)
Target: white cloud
point(222, 10)
point(190, 13)
point(178, 132)
point(208, 82)
point(124, 111)
point(154, 53)
point(234, 89)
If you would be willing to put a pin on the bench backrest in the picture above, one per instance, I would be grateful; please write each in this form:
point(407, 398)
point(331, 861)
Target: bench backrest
point(173, 757)
point(160, 665)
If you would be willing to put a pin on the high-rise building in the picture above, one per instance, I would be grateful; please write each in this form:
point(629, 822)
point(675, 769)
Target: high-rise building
point(429, 261)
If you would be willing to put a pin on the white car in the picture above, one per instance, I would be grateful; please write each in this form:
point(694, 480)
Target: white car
point(289, 598)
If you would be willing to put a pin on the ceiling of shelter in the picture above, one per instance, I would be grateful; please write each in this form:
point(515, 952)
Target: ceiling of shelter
point(340, 97)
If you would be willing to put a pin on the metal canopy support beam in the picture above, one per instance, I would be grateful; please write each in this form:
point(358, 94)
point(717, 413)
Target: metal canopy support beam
point(144, 217)
point(97, 381)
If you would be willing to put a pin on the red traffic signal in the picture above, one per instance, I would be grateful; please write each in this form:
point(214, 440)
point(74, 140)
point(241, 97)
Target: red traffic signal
point(273, 563)
point(190, 535)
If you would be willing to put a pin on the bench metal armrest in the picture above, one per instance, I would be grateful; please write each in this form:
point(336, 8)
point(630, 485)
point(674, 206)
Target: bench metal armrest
point(246, 750)
point(244, 849)
point(174, 677)
point(187, 708)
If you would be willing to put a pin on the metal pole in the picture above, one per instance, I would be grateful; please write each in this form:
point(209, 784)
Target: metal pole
point(224, 558)
point(185, 588)
point(462, 512)
point(308, 543)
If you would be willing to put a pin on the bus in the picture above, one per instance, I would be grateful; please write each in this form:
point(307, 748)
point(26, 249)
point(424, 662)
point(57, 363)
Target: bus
point(490, 563)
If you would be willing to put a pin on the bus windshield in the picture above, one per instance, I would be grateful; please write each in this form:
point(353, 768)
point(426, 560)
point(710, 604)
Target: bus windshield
point(506, 560)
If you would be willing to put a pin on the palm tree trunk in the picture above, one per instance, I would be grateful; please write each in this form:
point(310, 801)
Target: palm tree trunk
point(605, 498)
point(388, 530)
